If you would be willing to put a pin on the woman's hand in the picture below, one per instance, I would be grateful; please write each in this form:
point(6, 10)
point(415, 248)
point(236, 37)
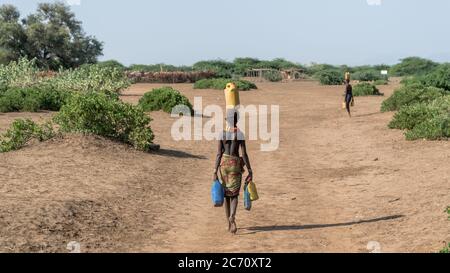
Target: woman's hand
point(249, 177)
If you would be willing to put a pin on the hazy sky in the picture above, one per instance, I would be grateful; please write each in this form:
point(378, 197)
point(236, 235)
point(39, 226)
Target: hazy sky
point(332, 31)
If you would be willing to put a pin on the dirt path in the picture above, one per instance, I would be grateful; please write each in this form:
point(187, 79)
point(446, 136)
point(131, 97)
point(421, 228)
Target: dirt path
point(334, 184)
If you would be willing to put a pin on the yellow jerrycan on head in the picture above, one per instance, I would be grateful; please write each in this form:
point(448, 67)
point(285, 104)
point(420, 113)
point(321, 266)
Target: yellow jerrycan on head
point(231, 96)
point(347, 76)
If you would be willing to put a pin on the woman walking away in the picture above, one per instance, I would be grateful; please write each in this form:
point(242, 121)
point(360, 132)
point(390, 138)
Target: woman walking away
point(348, 96)
point(230, 167)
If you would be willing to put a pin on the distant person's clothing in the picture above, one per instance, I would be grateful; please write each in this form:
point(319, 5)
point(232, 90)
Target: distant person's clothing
point(348, 96)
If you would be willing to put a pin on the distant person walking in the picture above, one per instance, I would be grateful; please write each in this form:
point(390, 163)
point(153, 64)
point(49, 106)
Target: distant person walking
point(348, 95)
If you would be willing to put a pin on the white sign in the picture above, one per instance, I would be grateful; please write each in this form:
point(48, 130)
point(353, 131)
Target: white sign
point(384, 72)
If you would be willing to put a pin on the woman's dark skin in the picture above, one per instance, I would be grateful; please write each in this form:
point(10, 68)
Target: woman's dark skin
point(230, 145)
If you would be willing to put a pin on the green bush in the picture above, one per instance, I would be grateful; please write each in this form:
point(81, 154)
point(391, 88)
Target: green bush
point(440, 77)
point(22, 73)
point(91, 78)
point(413, 66)
point(273, 76)
point(432, 129)
point(32, 99)
point(366, 89)
point(315, 69)
point(221, 68)
point(410, 94)
point(165, 98)
point(446, 249)
point(220, 84)
point(22, 131)
point(330, 77)
point(411, 80)
point(410, 116)
point(381, 82)
point(425, 120)
point(96, 113)
point(367, 76)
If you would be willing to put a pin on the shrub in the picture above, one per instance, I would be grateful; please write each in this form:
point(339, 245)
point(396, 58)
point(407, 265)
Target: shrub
point(22, 131)
point(277, 64)
point(446, 249)
point(440, 77)
point(330, 77)
point(413, 66)
point(411, 80)
point(221, 68)
point(88, 78)
point(32, 99)
point(165, 98)
point(410, 116)
point(316, 69)
point(381, 82)
point(366, 89)
point(97, 113)
point(427, 120)
point(220, 84)
point(431, 129)
point(273, 76)
point(410, 94)
point(22, 73)
point(367, 76)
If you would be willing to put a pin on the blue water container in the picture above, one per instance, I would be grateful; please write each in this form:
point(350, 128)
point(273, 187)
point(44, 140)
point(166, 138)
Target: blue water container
point(247, 200)
point(217, 193)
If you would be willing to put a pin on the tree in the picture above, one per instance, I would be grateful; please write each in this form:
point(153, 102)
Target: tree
point(52, 35)
point(12, 34)
point(413, 66)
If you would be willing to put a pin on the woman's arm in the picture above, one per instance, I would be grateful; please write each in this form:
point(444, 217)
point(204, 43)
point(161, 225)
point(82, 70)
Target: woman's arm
point(220, 150)
point(246, 161)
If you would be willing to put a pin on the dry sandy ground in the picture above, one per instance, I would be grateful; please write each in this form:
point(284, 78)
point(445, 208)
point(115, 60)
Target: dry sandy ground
point(333, 185)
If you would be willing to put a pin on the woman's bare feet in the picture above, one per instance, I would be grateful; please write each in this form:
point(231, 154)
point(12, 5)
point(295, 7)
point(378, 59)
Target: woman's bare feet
point(233, 226)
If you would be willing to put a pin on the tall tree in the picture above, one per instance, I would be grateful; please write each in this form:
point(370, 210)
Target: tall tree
point(12, 34)
point(52, 35)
